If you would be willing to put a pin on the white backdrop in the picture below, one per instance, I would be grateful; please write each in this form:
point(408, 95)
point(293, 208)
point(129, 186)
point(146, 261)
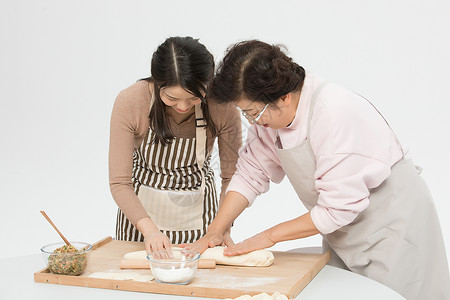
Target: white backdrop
point(63, 62)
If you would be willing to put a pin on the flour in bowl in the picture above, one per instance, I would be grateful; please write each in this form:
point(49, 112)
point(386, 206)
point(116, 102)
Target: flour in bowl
point(173, 275)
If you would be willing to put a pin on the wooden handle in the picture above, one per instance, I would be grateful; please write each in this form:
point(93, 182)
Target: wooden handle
point(206, 263)
point(144, 264)
point(51, 223)
point(101, 242)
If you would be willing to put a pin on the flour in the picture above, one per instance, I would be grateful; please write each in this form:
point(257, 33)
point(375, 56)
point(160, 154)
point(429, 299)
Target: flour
point(181, 275)
point(229, 281)
point(122, 276)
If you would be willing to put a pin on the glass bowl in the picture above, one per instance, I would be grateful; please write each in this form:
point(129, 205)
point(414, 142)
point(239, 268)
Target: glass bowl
point(174, 266)
point(60, 261)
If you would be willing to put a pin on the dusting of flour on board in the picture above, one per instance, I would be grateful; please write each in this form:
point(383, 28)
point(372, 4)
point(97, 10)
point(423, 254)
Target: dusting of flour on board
point(228, 281)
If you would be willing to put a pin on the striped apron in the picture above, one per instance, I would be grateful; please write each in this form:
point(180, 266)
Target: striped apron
point(168, 181)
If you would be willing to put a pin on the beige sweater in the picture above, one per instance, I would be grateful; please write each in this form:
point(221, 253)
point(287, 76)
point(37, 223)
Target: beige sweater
point(129, 125)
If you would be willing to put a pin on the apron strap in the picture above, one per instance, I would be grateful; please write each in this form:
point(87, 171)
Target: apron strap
point(200, 142)
point(392, 130)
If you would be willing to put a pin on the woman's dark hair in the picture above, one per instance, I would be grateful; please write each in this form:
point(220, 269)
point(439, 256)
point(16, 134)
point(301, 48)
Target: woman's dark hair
point(257, 71)
point(185, 62)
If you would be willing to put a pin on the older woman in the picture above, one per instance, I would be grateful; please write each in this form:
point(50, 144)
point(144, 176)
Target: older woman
point(364, 195)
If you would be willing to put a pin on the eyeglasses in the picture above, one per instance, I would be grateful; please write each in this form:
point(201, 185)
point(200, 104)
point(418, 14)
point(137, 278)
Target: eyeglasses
point(251, 119)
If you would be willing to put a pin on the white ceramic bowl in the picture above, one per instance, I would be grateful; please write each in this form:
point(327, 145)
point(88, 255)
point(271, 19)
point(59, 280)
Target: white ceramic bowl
point(174, 266)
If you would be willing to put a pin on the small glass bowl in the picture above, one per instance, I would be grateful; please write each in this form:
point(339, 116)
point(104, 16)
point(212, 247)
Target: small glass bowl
point(174, 266)
point(71, 263)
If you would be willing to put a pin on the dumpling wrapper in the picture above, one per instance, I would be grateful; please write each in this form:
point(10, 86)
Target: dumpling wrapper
point(262, 296)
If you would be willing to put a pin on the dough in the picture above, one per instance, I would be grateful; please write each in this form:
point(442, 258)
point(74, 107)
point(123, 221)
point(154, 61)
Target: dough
point(262, 296)
point(258, 258)
point(122, 276)
point(136, 255)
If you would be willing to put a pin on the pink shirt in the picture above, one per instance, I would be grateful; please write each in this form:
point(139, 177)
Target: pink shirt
point(354, 149)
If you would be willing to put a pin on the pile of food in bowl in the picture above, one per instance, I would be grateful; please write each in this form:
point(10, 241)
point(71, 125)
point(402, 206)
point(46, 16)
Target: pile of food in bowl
point(67, 259)
point(174, 266)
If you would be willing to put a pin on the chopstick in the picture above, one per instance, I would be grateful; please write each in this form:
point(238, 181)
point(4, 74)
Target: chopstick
point(59, 232)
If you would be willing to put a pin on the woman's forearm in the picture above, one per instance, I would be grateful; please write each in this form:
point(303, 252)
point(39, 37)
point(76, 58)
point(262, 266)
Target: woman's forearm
point(147, 227)
point(231, 207)
point(297, 228)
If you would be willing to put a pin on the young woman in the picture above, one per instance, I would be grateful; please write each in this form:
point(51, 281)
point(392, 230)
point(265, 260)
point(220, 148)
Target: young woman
point(364, 196)
point(162, 135)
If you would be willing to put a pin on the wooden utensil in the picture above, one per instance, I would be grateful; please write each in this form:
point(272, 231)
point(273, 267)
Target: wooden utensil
point(143, 264)
point(59, 232)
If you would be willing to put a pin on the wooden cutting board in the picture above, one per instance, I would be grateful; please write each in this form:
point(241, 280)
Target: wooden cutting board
point(289, 274)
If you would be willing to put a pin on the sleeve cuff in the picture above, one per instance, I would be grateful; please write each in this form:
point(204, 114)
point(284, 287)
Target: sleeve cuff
point(322, 221)
point(239, 187)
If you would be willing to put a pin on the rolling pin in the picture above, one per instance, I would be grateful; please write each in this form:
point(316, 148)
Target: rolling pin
point(144, 264)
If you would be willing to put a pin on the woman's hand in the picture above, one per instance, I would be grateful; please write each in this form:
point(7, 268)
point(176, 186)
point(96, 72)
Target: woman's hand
point(219, 230)
point(256, 242)
point(154, 239)
point(211, 239)
point(227, 240)
point(157, 241)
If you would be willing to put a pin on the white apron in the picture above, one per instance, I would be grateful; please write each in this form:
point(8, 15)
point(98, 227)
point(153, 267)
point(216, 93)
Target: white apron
point(396, 241)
